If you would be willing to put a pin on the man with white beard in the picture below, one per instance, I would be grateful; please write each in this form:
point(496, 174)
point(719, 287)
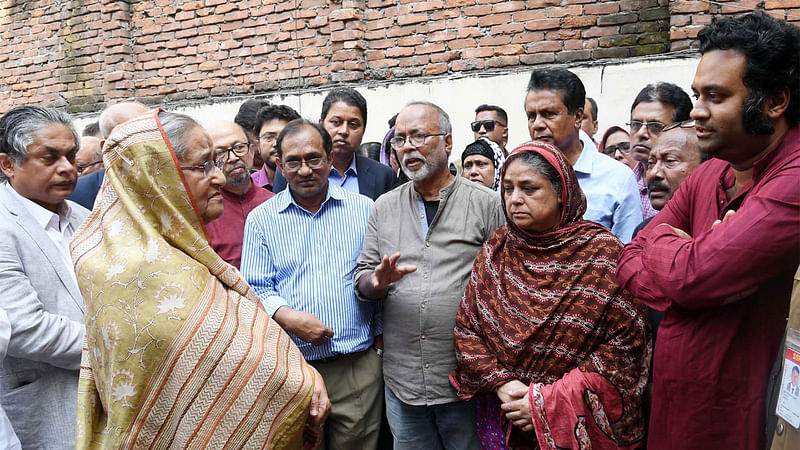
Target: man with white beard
point(421, 242)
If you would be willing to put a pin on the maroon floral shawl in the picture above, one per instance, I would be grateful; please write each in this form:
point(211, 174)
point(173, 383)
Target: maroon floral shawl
point(546, 309)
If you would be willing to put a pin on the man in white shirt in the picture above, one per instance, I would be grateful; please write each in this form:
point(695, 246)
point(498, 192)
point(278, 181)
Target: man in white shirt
point(39, 376)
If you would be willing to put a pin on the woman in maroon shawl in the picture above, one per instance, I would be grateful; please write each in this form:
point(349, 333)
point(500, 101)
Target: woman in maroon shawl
point(555, 350)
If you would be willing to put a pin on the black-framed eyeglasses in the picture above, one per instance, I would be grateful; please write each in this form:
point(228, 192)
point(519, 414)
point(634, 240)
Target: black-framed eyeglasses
point(488, 125)
point(82, 167)
point(416, 139)
point(685, 124)
point(653, 127)
point(239, 149)
point(208, 167)
point(296, 164)
point(623, 147)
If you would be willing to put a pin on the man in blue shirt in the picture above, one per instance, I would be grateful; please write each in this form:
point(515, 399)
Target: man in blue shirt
point(299, 255)
point(554, 106)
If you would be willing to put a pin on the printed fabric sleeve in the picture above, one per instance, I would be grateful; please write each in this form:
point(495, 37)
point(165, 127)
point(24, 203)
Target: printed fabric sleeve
point(600, 400)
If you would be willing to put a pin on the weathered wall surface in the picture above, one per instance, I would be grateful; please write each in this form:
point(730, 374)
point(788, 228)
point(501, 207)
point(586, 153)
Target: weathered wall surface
point(81, 55)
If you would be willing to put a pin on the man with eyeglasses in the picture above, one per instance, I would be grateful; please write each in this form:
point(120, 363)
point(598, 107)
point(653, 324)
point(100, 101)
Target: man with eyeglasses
point(656, 106)
point(344, 117)
point(270, 121)
point(554, 106)
point(89, 158)
point(239, 195)
point(422, 240)
point(491, 122)
point(300, 252)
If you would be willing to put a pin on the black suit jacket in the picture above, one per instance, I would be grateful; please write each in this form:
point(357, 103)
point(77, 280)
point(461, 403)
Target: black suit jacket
point(374, 178)
point(86, 190)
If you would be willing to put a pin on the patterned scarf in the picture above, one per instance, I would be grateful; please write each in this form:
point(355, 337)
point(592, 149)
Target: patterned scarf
point(545, 309)
point(179, 350)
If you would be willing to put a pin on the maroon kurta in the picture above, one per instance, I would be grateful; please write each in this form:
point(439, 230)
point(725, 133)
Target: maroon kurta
point(725, 294)
point(227, 232)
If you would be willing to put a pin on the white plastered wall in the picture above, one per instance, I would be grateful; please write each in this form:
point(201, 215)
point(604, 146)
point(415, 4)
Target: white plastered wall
point(612, 85)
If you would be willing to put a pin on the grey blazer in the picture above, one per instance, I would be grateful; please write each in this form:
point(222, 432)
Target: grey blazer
point(39, 377)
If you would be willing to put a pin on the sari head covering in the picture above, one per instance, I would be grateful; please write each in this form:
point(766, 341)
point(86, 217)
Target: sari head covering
point(546, 309)
point(179, 351)
point(489, 149)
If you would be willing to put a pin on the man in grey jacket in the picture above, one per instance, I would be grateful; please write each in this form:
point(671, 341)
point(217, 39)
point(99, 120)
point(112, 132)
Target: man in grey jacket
point(39, 377)
point(422, 239)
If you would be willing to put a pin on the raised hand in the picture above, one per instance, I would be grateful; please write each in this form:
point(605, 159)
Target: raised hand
point(388, 271)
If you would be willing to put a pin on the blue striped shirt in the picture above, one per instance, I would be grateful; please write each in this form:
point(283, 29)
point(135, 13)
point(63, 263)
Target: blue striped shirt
point(307, 261)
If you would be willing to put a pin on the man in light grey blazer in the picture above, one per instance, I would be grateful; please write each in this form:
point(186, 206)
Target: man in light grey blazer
point(38, 289)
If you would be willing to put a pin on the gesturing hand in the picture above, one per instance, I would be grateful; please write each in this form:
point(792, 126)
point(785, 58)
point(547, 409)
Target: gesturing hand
point(304, 325)
point(388, 271)
point(318, 412)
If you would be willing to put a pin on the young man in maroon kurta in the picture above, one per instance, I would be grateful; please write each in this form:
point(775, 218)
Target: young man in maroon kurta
point(719, 258)
point(239, 195)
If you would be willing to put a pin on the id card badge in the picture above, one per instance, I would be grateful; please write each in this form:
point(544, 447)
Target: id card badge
point(789, 397)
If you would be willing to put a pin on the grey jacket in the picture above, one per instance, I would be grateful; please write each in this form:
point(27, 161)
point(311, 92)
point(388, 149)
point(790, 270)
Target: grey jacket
point(39, 376)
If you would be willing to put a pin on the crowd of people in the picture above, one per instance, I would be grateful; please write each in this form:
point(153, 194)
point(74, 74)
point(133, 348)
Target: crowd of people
point(270, 281)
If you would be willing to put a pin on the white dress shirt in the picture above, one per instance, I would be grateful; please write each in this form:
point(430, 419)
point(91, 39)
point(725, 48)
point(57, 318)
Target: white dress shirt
point(56, 226)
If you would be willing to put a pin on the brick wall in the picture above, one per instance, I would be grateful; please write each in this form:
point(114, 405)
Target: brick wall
point(81, 55)
point(688, 17)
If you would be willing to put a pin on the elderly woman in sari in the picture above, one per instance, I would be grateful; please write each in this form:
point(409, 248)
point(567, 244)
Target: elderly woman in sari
point(179, 351)
point(556, 352)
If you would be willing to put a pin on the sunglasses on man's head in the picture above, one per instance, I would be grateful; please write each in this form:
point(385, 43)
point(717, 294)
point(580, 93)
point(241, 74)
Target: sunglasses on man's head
point(487, 125)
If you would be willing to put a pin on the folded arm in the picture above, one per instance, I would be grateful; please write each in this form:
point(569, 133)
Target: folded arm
point(718, 265)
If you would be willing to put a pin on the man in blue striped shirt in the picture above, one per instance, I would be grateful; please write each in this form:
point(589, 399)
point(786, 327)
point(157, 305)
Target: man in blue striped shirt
point(299, 255)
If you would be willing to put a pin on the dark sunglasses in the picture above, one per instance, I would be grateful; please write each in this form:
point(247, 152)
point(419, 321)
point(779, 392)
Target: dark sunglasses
point(623, 147)
point(685, 124)
point(487, 125)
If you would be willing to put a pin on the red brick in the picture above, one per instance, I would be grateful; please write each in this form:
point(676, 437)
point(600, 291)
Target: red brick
point(543, 46)
point(482, 10)
point(458, 44)
point(399, 51)
point(578, 21)
point(409, 19)
point(564, 11)
point(688, 7)
point(435, 69)
point(494, 19)
point(541, 24)
point(601, 8)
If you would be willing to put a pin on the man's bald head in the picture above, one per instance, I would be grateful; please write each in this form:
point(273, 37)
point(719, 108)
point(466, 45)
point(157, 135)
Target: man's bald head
point(231, 144)
point(673, 157)
point(88, 156)
point(119, 113)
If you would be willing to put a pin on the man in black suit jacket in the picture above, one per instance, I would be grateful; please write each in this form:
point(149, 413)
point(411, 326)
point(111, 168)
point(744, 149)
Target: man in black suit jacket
point(344, 117)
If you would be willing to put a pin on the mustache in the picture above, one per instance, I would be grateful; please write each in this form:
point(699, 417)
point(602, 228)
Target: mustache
point(238, 165)
point(657, 185)
point(414, 154)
